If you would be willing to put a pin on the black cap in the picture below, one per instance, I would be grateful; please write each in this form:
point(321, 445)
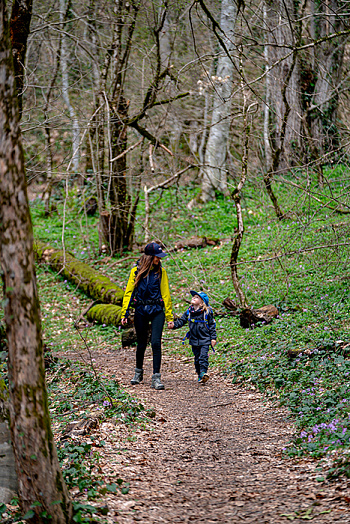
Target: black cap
point(154, 250)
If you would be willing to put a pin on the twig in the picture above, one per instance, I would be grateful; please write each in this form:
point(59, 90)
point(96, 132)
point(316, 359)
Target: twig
point(127, 150)
point(119, 261)
point(151, 157)
point(92, 366)
point(84, 405)
point(224, 404)
point(297, 252)
point(166, 149)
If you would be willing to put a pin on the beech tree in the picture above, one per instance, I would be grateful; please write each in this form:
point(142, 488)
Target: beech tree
point(41, 487)
point(215, 169)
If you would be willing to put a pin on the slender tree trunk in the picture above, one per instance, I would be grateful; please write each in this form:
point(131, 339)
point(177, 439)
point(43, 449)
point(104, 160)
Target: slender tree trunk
point(215, 171)
point(284, 81)
point(236, 195)
point(119, 196)
point(65, 88)
point(267, 137)
point(328, 18)
point(285, 121)
point(97, 132)
point(19, 29)
point(39, 475)
point(49, 171)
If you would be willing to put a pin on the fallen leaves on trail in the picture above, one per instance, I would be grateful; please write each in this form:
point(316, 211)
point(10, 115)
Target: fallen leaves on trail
point(210, 454)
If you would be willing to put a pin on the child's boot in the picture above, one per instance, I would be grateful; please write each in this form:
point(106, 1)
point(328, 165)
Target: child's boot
point(138, 377)
point(156, 382)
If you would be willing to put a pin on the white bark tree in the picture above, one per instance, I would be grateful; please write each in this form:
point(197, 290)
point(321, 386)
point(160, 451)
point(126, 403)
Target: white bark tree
point(65, 89)
point(214, 171)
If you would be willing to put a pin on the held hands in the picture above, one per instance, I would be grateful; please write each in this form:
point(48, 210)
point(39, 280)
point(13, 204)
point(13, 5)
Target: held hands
point(124, 321)
point(170, 325)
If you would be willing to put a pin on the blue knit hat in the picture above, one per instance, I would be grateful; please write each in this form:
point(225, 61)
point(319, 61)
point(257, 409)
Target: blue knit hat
point(202, 295)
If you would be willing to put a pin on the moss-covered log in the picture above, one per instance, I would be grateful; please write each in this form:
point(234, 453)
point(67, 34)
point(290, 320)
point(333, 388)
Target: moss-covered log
point(105, 314)
point(83, 276)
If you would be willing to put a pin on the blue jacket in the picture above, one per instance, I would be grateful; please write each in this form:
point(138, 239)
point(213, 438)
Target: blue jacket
point(201, 333)
point(152, 289)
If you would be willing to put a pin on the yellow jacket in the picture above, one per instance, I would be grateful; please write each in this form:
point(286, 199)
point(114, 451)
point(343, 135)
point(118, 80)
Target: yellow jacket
point(164, 290)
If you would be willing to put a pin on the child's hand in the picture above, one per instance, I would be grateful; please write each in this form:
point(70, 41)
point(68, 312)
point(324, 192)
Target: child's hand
point(170, 325)
point(124, 321)
point(213, 343)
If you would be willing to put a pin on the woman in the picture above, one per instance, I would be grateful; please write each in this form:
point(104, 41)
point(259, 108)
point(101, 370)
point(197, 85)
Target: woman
point(148, 291)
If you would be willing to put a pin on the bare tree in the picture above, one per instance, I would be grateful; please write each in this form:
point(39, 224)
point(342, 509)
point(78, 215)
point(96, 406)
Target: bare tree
point(39, 475)
point(283, 119)
point(65, 6)
point(215, 170)
point(19, 29)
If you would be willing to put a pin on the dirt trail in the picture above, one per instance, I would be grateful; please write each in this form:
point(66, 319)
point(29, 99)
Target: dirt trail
point(212, 454)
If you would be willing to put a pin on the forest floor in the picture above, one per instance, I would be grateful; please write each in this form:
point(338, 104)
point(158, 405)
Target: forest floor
point(212, 453)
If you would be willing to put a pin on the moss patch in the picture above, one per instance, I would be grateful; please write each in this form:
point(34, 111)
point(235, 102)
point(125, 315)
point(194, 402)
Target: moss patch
point(105, 314)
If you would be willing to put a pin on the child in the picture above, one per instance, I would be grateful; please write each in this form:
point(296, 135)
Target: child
point(202, 332)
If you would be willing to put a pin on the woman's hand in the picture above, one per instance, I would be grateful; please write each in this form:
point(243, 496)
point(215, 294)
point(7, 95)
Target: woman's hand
point(213, 343)
point(170, 325)
point(124, 321)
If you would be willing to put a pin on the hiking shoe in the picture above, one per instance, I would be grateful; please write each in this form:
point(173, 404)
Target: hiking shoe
point(203, 377)
point(156, 383)
point(138, 377)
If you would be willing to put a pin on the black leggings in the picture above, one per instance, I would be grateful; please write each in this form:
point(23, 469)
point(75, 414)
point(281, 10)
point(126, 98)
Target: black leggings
point(141, 322)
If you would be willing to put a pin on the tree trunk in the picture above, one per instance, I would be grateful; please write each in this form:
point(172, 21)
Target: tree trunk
point(215, 172)
point(120, 232)
point(39, 475)
point(328, 18)
point(283, 82)
point(8, 477)
point(65, 88)
point(19, 29)
point(97, 132)
point(236, 195)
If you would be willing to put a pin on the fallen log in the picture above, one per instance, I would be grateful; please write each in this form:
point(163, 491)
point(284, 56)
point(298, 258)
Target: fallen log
point(129, 337)
point(196, 242)
point(108, 314)
point(249, 318)
point(88, 280)
point(231, 306)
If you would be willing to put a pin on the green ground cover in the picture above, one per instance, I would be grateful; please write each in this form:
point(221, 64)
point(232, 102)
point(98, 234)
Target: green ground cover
point(281, 263)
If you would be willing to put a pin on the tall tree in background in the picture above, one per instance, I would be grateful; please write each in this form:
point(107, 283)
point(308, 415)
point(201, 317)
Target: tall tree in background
point(19, 29)
point(65, 7)
point(215, 169)
point(39, 477)
point(283, 118)
point(328, 18)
